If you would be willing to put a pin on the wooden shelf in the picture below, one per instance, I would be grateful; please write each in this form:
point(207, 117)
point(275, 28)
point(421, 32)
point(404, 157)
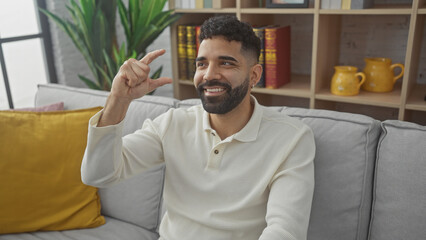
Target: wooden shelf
point(186, 82)
point(372, 11)
point(206, 10)
point(298, 87)
point(390, 100)
point(416, 101)
point(277, 11)
point(422, 11)
point(324, 38)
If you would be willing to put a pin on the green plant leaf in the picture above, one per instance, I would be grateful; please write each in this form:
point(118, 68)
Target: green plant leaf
point(82, 25)
point(159, 6)
point(147, 11)
point(108, 79)
point(161, 17)
point(157, 73)
point(124, 19)
point(88, 10)
point(89, 82)
point(139, 45)
point(110, 64)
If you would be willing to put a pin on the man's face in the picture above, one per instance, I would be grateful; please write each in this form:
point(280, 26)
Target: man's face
point(222, 75)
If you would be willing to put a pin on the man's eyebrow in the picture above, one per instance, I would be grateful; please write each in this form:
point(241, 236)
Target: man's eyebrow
point(200, 59)
point(229, 58)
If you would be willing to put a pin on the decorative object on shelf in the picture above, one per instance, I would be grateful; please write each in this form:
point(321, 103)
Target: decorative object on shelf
point(380, 74)
point(93, 32)
point(287, 3)
point(346, 81)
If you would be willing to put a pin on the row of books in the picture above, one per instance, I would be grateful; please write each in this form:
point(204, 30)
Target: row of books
point(193, 4)
point(346, 4)
point(274, 57)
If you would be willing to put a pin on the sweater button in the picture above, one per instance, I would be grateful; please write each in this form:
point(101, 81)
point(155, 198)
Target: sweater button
point(216, 151)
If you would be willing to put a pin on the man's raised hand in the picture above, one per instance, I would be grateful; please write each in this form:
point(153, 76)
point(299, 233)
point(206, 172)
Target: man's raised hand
point(132, 80)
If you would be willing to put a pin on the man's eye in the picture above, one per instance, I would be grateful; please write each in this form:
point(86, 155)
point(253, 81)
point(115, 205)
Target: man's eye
point(227, 63)
point(200, 64)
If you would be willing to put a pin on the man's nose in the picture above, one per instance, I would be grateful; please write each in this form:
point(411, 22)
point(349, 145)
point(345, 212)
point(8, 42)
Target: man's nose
point(211, 73)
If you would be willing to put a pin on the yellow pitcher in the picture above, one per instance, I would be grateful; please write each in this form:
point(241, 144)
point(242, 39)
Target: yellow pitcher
point(345, 81)
point(380, 74)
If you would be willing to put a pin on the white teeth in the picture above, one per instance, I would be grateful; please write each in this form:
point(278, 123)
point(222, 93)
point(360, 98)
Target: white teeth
point(214, 89)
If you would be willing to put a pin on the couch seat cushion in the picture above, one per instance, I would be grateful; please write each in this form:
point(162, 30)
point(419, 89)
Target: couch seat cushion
point(113, 229)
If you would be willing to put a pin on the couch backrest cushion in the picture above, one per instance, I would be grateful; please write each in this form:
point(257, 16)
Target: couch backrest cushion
point(138, 194)
point(399, 198)
point(344, 162)
point(75, 98)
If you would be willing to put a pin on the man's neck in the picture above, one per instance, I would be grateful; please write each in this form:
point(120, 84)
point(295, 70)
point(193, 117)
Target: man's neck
point(233, 121)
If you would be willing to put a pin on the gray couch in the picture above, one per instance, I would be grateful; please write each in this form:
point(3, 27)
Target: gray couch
point(370, 176)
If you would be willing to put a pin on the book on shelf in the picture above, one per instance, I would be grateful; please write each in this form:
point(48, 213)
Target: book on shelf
point(189, 4)
point(277, 56)
point(361, 4)
point(197, 34)
point(191, 50)
point(331, 4)
point(208, 3)
point(188, 45)
point(260, 33)
point(223, 4)
point(346, 4)
point(199, 4)
point(182, 55)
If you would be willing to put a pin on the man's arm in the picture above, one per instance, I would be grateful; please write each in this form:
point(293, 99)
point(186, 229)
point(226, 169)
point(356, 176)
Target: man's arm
point(106, 160)
point(291, 192)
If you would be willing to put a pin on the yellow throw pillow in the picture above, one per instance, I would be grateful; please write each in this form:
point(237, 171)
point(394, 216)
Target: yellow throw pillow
point(40, 183)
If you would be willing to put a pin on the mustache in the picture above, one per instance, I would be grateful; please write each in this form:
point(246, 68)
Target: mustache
point(212, 83)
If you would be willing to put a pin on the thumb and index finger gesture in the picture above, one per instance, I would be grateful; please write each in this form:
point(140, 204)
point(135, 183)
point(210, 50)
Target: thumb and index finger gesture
point(132, 80)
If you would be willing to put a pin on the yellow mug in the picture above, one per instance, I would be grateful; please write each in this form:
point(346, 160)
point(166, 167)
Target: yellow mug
point(346, 81)
point(380, 74)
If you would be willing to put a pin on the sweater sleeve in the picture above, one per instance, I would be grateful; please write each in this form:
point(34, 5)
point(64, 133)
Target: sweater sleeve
point(109, 157)
point(291, 192)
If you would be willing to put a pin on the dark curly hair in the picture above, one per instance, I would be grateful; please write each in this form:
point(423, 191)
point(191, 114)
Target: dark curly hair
point(231, 29)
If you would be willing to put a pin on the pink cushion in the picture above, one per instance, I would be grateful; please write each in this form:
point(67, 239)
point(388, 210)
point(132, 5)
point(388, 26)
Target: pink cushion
point(47, 108)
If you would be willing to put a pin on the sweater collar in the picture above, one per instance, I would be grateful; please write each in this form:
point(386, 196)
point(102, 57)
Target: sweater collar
point(250, 130)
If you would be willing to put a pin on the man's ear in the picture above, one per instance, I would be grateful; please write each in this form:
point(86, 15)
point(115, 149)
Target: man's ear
point(255, 74)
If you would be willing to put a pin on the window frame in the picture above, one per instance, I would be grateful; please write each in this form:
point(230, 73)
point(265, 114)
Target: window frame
point(45, 37)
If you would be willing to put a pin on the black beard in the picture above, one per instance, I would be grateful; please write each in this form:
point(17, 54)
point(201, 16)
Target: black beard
point(226, 102)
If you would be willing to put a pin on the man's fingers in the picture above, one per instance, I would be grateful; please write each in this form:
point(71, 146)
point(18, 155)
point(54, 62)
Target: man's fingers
point(151, 56)
point(155, 83)
point(140, 69)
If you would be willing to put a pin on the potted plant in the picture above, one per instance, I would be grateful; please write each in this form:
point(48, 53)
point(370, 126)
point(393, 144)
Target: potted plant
point(93, 32)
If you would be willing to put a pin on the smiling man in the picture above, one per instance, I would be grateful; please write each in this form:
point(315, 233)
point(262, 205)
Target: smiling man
point(234, 169)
